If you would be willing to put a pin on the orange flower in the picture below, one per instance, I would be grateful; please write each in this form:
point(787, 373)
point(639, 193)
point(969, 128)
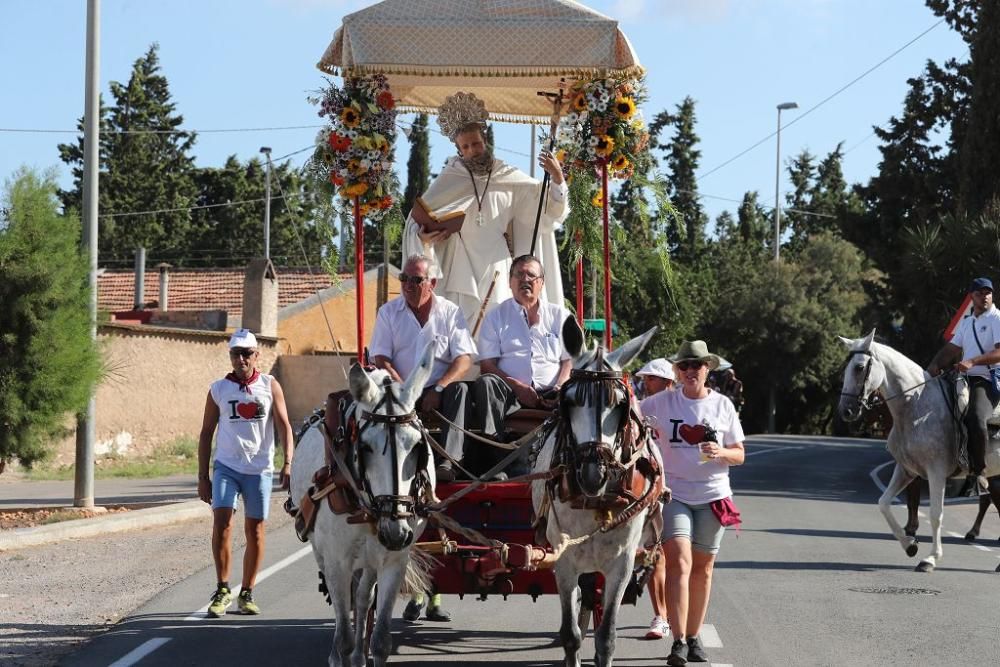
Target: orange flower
point(339, 142)
point(605, 145)
point(385, 100)
point(349, 117)
point(336, 179)
point(385, 203)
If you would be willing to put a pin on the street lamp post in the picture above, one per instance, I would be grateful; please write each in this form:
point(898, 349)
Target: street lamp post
point(777, 181)
point(266, 150)
point(772, 404)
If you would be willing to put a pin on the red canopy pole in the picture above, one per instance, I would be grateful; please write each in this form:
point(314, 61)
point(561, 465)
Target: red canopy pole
point(359, 276)
point(579, 283)
point(607, 258)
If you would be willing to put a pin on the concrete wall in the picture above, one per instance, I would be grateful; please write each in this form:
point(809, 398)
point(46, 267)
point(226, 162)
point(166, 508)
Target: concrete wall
point(307, 379)
point(155, 384)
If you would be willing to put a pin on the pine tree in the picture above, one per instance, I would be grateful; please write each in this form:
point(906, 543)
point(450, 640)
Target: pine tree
point(418, 166)
point(752, 222)
point(145, 166)
point(682, 161)
point(50, 362)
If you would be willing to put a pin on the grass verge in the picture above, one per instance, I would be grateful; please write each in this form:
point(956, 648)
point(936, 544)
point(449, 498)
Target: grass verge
point(175, 458)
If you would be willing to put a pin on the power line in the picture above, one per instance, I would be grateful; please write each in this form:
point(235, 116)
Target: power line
point(19, 130)
point(822, 102)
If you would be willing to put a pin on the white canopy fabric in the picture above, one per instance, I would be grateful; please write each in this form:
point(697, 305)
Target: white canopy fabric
point(503, 51)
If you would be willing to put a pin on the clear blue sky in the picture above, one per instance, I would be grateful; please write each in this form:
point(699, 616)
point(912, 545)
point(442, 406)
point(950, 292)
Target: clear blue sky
point(251, 63)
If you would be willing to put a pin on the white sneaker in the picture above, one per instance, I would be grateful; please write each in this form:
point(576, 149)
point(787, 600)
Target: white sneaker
point(658, 627)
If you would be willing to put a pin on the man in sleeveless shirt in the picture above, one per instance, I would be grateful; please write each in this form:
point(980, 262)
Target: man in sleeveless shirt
point(241, 410)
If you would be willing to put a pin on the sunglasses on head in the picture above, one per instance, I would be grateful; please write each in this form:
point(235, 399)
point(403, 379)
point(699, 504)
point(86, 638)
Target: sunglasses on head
point(244, 352)
point(412, 280)
point(690, 364)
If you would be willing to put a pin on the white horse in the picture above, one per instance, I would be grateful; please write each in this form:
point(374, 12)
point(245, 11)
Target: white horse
point(924, 431)
point(597, 421)
point(389, 461)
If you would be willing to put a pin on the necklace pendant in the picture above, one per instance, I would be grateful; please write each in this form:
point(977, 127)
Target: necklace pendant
point(479, 219)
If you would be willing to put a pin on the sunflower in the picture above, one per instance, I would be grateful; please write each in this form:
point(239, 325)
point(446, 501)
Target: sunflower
point(605, 145)
point(579, 103)
point(355, 167)
point(620, 163)
point(598, 199)
point(561, 155)
point(624, 107)
point(349, 117)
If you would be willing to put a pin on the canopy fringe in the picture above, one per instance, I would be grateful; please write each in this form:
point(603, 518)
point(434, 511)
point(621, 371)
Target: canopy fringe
point(488, 72)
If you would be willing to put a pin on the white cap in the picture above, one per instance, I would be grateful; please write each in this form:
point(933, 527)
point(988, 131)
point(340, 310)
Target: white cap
point(658, 367)
point(243, 338)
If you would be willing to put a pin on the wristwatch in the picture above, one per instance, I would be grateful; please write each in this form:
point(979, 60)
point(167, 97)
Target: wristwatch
point(439, 388)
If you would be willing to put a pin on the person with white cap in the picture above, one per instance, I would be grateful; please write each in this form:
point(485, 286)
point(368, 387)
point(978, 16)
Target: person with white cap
point(657, 375)
point(241, 411)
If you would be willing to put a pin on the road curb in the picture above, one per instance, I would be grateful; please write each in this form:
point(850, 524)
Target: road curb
point(20, 538)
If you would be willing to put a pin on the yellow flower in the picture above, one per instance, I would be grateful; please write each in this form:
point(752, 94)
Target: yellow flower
point(355, 190)
point(620, 163)
point(354, 166)
point(349, 117)
point(579, 102)
point(561, 155)
point(598, 199)
point(624, 107)
point(605, 145)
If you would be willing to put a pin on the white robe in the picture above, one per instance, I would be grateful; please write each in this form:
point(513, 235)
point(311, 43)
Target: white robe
point(466, 261)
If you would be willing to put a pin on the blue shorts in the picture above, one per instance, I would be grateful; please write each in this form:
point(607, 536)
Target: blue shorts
point(255, 489)
point(696, 523)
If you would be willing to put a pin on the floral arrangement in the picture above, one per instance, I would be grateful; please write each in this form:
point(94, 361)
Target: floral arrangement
point(354, 152)
point(603, 127)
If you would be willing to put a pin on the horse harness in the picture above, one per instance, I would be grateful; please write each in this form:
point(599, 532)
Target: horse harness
point(635, 479)
point(343, 480)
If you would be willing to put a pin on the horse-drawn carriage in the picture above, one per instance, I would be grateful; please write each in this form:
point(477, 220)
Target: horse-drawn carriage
point(595, 477)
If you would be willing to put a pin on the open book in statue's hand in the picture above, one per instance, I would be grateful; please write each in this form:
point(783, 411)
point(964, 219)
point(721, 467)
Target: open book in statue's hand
point(430, 221)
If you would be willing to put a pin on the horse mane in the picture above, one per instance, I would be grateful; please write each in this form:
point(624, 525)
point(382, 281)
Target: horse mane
point(883, 352)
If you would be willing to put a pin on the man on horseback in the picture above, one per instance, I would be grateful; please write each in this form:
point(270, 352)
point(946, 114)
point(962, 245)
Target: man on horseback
point(973, 350)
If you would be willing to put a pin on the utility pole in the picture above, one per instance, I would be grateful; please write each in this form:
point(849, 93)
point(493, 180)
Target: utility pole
point(266, 150)
point(83, 487)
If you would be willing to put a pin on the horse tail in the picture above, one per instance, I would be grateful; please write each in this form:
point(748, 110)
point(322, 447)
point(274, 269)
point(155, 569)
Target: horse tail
point(417, 577)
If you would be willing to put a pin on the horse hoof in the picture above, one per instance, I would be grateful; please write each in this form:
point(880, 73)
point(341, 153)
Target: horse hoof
point(912, 550)
point(971, 536)
point(924, 566)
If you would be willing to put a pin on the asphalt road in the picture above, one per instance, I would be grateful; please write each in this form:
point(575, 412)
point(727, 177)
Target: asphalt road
point(812, 578)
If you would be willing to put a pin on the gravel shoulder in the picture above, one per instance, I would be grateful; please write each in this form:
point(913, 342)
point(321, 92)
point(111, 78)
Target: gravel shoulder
point(54, 597)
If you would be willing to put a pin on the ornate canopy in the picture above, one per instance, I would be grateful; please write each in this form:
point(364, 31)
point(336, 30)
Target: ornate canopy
point(504, 51)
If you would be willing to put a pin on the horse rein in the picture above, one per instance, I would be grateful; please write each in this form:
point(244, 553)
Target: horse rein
point(393, 506)
point(874, 399)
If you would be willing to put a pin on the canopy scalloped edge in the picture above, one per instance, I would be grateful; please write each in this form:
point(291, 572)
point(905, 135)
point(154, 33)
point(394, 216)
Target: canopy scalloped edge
point(490, 72)
point(524, 119)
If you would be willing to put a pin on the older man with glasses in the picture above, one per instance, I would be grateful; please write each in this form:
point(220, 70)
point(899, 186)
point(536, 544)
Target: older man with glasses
point(522, 357)
point(243, 409)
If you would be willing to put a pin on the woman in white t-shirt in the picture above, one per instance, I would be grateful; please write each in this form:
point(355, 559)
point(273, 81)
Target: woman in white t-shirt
point(700, 436)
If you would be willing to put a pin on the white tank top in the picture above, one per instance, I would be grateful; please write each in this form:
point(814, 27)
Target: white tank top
point(245, 438)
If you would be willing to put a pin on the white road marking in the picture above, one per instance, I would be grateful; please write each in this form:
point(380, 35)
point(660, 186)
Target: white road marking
point(140, 652)
point(720, 664)
point(202, 613)
point(772, 450)
point(710, 636)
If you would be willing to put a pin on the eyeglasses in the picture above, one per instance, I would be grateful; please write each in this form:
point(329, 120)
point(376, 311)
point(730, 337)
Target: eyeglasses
point(244, 352)
point(694, 364)
point(412, 280)
point(527, 277)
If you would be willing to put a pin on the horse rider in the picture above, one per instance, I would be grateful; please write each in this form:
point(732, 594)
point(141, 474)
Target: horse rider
point(403, 328)
point(974, 350)
point(244, 408)
point(522, 357)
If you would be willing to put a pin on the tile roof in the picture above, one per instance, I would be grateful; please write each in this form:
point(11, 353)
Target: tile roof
point(205, 289)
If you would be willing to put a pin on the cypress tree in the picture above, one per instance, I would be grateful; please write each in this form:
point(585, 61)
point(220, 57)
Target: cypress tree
point(50, 363)
point(418, 166)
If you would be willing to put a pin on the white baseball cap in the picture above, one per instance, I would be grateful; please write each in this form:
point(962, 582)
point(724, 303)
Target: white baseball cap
point(658, 367)
point(243, 338)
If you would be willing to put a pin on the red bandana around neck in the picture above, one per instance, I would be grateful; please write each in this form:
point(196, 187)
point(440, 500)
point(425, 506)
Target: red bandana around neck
point(244, 386)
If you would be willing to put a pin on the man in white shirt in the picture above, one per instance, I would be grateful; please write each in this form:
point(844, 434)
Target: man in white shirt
point(522, 358)
point(975, 350)
point(403, 328)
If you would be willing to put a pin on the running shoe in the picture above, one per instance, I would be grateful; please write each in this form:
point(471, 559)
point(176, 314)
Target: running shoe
point(247, 605)
point(221, 599)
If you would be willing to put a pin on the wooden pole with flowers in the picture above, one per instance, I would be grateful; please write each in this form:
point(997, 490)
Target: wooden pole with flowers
point(353, 159)
point(603, 135)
